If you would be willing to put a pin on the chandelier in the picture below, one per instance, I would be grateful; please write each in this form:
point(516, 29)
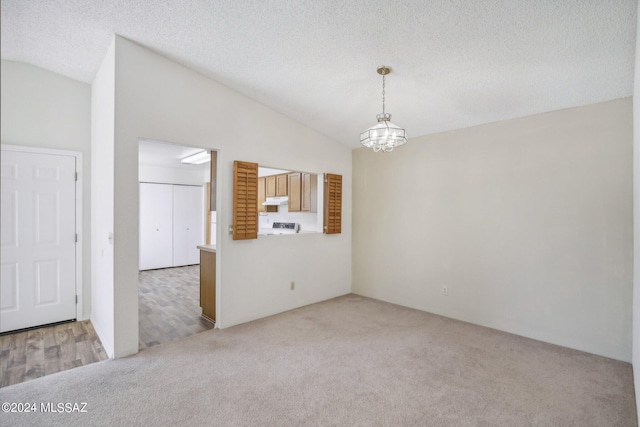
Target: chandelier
point(383, 136)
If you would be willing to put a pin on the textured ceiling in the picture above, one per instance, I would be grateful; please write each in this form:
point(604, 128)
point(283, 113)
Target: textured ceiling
point(456, 63)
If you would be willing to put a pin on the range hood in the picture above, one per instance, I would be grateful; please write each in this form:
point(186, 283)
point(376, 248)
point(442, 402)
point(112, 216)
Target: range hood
point(275, 201)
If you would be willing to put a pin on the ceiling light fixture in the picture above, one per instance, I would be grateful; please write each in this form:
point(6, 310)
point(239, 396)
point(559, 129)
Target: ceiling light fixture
point(198, 158)
point(384, 136)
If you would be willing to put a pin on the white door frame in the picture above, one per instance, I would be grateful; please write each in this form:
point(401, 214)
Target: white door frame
point(78, 157)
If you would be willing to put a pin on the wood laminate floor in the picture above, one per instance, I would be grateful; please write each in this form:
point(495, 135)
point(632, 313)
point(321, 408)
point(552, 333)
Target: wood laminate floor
point(31, 354)
point(169, 304)
point(169, 307)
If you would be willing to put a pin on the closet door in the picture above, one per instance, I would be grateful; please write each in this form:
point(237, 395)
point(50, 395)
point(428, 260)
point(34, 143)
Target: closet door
point(156, 226)
point(188, 224)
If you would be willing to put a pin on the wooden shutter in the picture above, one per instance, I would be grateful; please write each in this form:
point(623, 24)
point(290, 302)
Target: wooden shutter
point(332, 203)
point(245, 200)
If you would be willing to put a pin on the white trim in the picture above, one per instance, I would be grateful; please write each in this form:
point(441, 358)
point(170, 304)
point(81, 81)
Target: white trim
point(78, 158)
point(107, 345)
point(219, 245)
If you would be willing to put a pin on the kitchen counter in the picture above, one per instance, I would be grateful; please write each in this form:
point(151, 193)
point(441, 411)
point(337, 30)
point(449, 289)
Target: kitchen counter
point(208, 248)
point(270, 232)
point(275, 232)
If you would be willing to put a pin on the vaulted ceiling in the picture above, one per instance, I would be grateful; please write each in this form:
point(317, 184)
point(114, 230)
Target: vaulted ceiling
point(456, 63)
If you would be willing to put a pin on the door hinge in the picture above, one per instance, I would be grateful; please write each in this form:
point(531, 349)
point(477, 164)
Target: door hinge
point(76, 299)
point(76, 237)
point(76, 176)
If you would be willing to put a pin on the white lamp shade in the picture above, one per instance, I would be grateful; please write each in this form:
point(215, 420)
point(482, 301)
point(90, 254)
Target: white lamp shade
point(384, 136)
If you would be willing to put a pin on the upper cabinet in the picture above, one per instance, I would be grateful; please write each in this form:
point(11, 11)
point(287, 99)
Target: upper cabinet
point(309, 192)
point(262, 196)
point(270, 186)
point(281, 186)
point(295, 204)
point(303, 192)
point(276, 185)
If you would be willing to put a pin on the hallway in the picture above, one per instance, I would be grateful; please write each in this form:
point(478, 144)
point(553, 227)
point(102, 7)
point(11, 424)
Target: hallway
point(169, 305)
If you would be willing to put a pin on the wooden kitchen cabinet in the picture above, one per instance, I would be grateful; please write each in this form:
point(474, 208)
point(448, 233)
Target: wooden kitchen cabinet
point(309, 192)
point(276, 185)
point(281, 185)
point(294, 183)
point(262, 196)
point(270, 186)
point(208, 284)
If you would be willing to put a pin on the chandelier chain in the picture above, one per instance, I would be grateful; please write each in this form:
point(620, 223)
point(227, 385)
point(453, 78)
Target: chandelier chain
point(383, 85)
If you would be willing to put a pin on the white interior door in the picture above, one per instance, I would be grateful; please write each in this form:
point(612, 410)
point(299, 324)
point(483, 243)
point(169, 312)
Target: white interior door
point(156, 226)
point(188, 224)
point(38, 259)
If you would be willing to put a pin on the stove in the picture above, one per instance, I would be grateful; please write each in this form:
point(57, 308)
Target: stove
point(285, 228)
point(267, 229)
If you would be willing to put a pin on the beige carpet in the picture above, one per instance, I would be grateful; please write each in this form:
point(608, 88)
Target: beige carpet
point(350, 361)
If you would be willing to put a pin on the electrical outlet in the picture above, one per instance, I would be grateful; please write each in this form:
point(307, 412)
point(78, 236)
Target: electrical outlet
point(293, 285)
point(445, 291)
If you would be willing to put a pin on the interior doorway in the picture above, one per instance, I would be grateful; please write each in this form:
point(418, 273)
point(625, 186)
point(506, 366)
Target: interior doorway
point(41, 287)
point(174, 221)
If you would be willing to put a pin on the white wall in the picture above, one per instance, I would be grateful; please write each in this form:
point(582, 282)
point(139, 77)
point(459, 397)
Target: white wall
point(527, 221)
point(102, 141)
point(43, 109)
point(636, 222)
point(161, 100)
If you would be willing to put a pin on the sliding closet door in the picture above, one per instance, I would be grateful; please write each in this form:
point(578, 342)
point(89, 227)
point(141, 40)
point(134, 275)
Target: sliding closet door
point(156, 226)
point(188, 224)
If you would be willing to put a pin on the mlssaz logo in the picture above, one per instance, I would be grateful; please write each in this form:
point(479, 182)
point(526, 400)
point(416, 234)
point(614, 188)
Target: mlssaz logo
point(63, 407)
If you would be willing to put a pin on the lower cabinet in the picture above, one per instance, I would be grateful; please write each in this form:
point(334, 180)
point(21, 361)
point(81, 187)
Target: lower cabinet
point(171, 225)
point(208, 284)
